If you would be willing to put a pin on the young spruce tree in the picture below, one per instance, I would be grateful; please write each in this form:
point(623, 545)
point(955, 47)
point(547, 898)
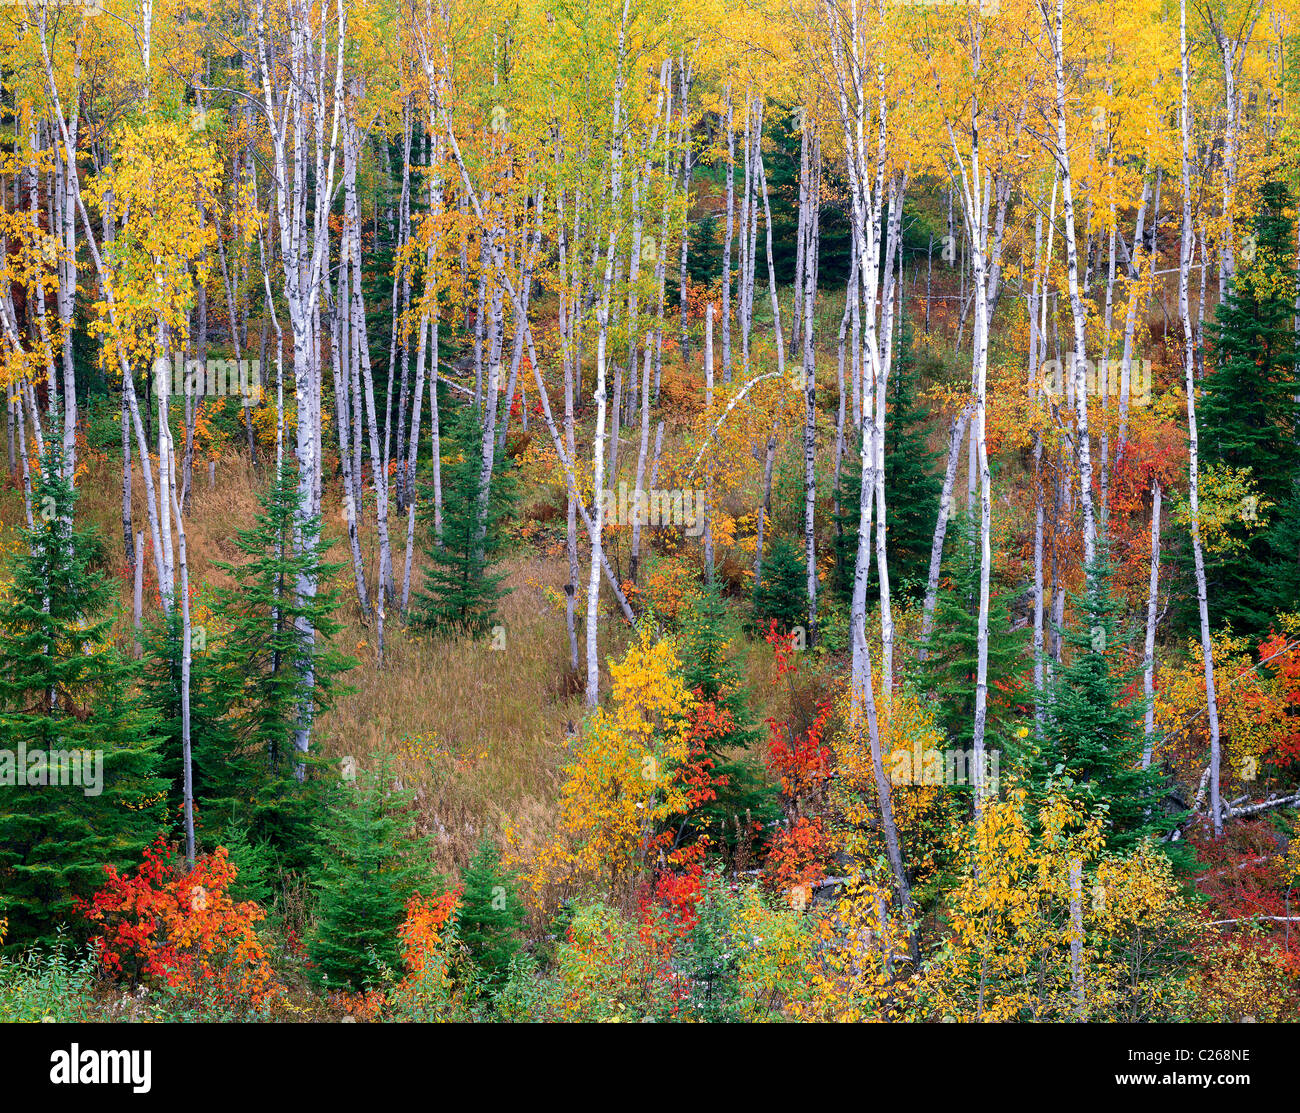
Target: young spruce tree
point(952, 658)
point(783, 593)
point(65, 689)
point(912, 484)
point(218, 773)
point(1093, 731)
point(461, 589)
point(710, 669)
point(370, 862)
point(261, 655)
point(1249, 418)
point(491, 916)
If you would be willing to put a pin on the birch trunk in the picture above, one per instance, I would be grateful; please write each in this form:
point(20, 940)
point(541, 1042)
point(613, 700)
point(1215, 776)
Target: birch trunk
point(726, 243)
point(850, 48)
point(956, 434)
point(808, 376)
point(1149, 657)
point(1077, 310)
point(602, 340)
point(634, 561)
point(1193, 468)
point(708, 414)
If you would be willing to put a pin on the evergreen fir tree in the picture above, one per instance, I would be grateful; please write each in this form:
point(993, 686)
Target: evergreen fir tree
point(254, 862)
point(783, 593)
point(259, 662)
point(1092, 735)
point(952, 657)
point(912, 484)
point(913, 479)
point(710, 670)
point(1249, 418)
point(370, 863)
point(65, 687)
point(781, 168)
point(491, 915)
point(1277, 568)
point(461, 589)
point(703, 250)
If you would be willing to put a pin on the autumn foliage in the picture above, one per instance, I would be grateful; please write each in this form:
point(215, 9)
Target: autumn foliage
point(173, 927)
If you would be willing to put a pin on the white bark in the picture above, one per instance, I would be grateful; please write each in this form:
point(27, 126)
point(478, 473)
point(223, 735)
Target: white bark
point(602, 340)
point(726, 242)
point(1061, 151)
point(850, 58)
point(1149, 656)
point(956, 433)
point(1193, 466)
point(635, 559)
point(707, 540)
point(304, 250)
point(808, 372)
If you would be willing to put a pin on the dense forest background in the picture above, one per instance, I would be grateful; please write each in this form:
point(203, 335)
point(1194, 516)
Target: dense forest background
point(711, 511)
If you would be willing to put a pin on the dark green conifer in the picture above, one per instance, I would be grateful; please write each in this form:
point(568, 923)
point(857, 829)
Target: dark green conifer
point(783, 593)
point(264, 649)
point(491, 915)
point(711, 671)
point(1248, 417)
point(65, 688)
point(370, 862)
point(1092, 735)
point(461, 587)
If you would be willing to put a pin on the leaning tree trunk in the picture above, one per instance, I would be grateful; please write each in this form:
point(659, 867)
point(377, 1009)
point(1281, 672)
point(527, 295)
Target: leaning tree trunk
point(956, 434)
point(1193, 466)
point(808, 375)
point(1149, 657)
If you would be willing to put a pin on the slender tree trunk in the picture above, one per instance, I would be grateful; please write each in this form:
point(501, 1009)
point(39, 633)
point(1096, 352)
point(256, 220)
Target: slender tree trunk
point(956, 434)
point(187, 762)
point(896, 191)
point(137, 596)
point(726, 243)
point(602, 340)
point(1076, 938)
point(1193, 466)
point(708, 414)
point(339, 345)
point(866, 174)
point(1078, 312)
point(1130, 321)
point(642, 498)
point(808, 375)
point(1149, 667)
point(128, 529)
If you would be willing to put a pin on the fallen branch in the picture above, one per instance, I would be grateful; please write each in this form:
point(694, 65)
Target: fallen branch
point(1264, 805)
point(1248, 919)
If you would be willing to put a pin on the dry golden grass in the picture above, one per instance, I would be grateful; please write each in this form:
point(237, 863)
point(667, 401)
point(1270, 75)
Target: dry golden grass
point(480, 734)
